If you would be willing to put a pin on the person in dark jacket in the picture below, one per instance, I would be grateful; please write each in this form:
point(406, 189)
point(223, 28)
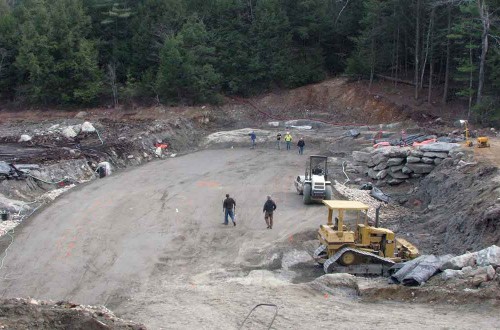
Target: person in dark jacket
point(301, 144)
point(278, 141)
point(228, 207)
point(253, 137)
point(269, 207)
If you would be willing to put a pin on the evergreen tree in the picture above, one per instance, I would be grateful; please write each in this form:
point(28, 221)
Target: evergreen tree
point(307, 17)
point(186, 72)
point(8, 50)
point(58, 65)
point(271, 32)
point(190, 50)
point(239, 65)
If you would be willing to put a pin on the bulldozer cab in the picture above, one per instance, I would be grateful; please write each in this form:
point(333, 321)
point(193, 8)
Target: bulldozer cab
point(340, 208)
point(317, 166)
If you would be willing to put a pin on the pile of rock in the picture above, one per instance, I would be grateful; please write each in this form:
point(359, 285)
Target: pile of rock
point(20, 313)
point(68, 132)
point(394, 165)
point(478, 267)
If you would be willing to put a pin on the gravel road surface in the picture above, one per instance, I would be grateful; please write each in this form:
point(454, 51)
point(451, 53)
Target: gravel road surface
point(149, 243)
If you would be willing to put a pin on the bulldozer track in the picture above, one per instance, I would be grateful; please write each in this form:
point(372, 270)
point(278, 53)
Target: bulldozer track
point(317, 253)
point(331, 266)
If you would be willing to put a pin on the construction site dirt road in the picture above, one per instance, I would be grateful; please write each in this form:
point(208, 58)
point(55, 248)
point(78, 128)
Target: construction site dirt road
point(149, 243)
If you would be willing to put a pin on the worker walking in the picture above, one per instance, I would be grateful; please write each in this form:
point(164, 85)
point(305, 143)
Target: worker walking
point(301, 144)
point(229, 207)
point(252, 137)
point(278, 141)
point(288, 140)
point(269, 207)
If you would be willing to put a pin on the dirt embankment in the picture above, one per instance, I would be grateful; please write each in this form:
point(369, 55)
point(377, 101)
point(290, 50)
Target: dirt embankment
point(338, 101)
point(456, 209)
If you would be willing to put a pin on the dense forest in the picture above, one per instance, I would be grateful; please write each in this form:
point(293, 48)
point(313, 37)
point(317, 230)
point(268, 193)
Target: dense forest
point(95, 52)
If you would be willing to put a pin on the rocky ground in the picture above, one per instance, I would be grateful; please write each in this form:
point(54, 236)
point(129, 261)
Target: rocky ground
point(147, 241)
point(34, 314)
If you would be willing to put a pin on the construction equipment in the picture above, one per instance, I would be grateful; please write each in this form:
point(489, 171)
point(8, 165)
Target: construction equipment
point(314, 185)
point(468, 141)
point(483, 142)
point(368, 250)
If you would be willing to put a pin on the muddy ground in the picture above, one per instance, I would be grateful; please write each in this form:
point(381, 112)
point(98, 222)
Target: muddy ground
point(148, 243)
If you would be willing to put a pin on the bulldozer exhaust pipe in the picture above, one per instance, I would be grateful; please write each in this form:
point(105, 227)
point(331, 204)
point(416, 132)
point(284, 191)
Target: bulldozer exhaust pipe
point(377, 213)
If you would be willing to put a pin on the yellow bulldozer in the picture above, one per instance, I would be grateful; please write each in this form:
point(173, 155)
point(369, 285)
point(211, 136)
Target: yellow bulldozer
point(366, 250)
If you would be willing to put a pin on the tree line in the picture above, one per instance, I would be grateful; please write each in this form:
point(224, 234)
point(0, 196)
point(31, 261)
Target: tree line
point(91, 52)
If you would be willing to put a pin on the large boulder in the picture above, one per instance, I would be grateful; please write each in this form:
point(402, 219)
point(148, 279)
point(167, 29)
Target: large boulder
point(239, 136)
point(416, 153)
point(394, 182)
point(399, 175)
point(77, 128)
point(24, 138)
point(376, 159)
point(69, 132)
point(427, 160)
point(436, 154)
point(372, 174)
point(489, 271)
point(88, 127)
point(450, 274)
point(439, 147)
point(360, 156)
point(340, 280)
point(394, 152)
point(381, 166)
point(406, 170)
point(489, 257)
point(478, 274)
point(461, 261)
point(377, 175)
point(420, 168)
point(412, 159)
point(395, 161)
point(381, 175)
point(396, 168)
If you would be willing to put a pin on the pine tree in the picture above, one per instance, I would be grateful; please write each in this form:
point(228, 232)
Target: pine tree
point(271, 32)
point(58, 64)
point(186, 71)
point(8, 50)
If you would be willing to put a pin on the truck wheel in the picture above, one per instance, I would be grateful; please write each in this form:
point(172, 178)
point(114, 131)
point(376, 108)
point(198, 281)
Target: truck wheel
point(307, 194)
point(328, 193)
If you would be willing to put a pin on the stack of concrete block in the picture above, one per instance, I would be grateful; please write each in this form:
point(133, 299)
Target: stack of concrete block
point(394, 165)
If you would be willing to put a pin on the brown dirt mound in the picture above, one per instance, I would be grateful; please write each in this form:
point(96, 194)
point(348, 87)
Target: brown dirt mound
point(336, 100)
